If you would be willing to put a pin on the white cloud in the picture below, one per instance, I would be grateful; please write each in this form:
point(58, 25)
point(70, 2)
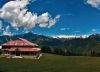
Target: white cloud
point(94, 3)
point(17, 14)
point(43, 19)
point(14, 12)
point(76, 31)
point(94, 30)
point(0, 25)
point(63, 29)
point(53, 21)
point(7, 31)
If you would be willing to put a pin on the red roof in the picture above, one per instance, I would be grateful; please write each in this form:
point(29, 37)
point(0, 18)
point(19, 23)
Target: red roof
point(19, 42)
point(23, 49)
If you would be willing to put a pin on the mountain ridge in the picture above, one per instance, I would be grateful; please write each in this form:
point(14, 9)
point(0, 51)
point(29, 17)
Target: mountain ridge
point(62, 46)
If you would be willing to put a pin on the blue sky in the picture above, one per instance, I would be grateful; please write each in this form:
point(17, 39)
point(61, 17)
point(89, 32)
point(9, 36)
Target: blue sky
point(76, 17)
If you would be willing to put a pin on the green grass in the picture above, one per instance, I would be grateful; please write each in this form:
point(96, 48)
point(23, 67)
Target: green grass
point(51, 63)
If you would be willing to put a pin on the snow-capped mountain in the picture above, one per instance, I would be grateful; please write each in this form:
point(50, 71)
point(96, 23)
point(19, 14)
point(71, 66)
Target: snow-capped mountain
point(70, 36)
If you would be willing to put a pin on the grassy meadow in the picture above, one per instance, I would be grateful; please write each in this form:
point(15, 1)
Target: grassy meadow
point(51, 63)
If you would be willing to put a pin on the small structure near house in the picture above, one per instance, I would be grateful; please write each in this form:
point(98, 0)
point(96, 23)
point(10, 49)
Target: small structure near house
point(20, 48)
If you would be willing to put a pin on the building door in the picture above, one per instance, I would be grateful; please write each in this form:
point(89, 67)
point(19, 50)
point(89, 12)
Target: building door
point(17, 52)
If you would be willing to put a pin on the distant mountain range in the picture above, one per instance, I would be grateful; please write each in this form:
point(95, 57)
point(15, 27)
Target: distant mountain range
point(65, 46)
point(70, 36)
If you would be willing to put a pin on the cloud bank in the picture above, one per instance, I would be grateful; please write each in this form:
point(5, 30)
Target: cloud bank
point(17, 14)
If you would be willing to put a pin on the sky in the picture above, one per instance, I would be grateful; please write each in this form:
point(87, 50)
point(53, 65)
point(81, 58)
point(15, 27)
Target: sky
point(50, 17)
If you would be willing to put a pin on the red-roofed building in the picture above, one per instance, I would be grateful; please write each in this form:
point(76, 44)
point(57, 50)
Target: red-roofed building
point(20, 47)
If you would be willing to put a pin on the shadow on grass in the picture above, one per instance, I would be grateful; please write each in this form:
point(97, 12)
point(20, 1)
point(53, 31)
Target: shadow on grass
point(1, 71)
